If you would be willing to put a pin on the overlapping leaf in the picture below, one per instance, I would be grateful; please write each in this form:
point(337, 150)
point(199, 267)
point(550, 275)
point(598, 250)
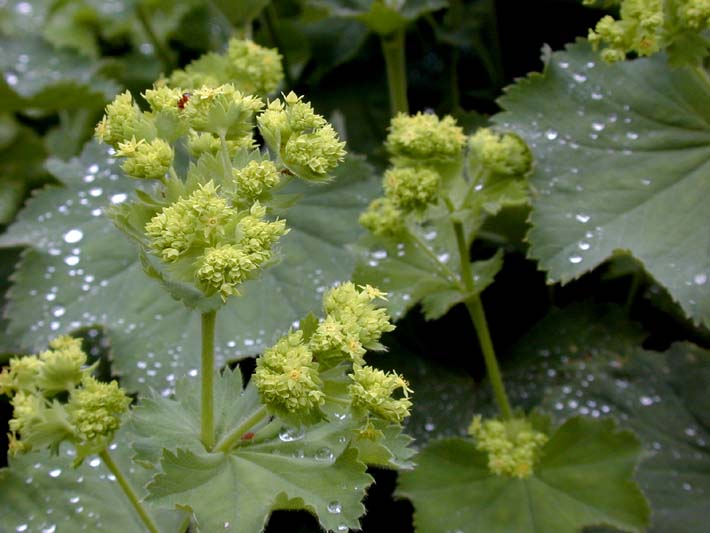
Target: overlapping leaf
point(582, 479)
point(275, 467)
point(44, 493)
point(79, 270)
point(592, 364)
point(623, 155)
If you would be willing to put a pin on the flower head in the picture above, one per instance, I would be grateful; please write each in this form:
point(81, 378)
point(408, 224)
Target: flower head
point(501, 153)
point(383, 218)
point(424, 136)
point(147, 160)
point(372, 390)
point(411, 188)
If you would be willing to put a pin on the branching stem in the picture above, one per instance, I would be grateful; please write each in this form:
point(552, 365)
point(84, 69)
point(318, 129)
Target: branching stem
point(129, 491)
point(207, 392)
point(478, 317)
point(228, 441)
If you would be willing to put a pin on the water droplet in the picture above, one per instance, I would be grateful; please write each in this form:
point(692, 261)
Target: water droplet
point(118, 198)
point(687, 486)
point(379, 254)
point(55, 473)
point(72, 260)
point(50, 529)
point(335, 507)
point(74, 499)
point(225, 525)
point(579, 78)
point(582, 218)
point(21, 528)
point(597, 126)
point(575, 259)
point(290, 434)
point(343, 527)
point(551, 134)
point(597, 96)
point(444, 258)
point(563, 64)
point(583, 245)
point(646, 401)
point(429, 426)
point(58, 311)
point(73, 235)
point(93, 463)
point(700, 279)
point(631, 135)
point(324, 455)
point(95, 191)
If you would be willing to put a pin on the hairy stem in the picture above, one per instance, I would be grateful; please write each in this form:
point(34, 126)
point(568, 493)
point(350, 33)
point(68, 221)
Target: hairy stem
point(226, 159)
point(394, 52)
point(478, 317)
point(129, 491)
point(227, 442)
point(207, 393)
point(161, 51)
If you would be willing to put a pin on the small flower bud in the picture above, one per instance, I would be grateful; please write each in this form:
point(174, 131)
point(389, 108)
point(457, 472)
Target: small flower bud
point(694, 14)
point(21, 375)
point(372, 390)
point(63, 366)
point(253, 68)
point(288, 379)
point(363, 323)
point(425, 137)
point(147, 160)
point(256, 178)
point(123, 120)
point(223, 268)
point(164, 98)
point(197, 220)
point(314, 155)
point(382, 218)
point(513, 446)
point(95, 410)
point(501, 153)
point(221, 110)
point(201, 143)
point(410, 188)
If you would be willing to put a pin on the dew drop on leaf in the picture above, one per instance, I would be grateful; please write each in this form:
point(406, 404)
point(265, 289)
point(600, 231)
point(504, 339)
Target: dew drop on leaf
point(335, 507)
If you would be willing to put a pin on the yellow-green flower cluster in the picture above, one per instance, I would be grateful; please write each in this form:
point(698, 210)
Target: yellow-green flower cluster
point(353, 324)
point(382, 218)
point(647, 26)
point(123, 121)
point(221, 110)
point(501, 153)
point(288, 379)
point(513, 446)
point(411, 188)
point(307, 144)
point(249, 67)
point(89, 417)
point(199, 143)
point(195, 221)
point(424, 137)
point(223, 268)
point(372, 389)
point(256, 178)
point(148, 160)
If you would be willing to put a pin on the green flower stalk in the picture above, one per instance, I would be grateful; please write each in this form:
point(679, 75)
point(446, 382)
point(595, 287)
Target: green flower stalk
point(513, 446)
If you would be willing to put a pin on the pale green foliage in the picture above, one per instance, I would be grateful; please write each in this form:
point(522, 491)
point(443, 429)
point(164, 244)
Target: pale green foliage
point(248, 66)
point(423, 137)
point(504, 153)
point(287, 377)
point(513, 446)
point(411, 188)
point(149, 160)
point(372, 389)
point(382, 218)
point(646, 26)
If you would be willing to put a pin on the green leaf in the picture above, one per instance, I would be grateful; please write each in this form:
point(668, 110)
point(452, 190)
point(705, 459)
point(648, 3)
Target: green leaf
point(591, 362)
point(40, 77)
point(390, 449)
point(78, 270)
point(276, 467)
point(44, 493)
point(583, 478)
point(622, 154)
point(241, 12)
point(421, 268)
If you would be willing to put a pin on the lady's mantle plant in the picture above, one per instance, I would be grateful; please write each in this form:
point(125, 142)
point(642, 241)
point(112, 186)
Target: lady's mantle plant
point(207, 217)
point(439, 191)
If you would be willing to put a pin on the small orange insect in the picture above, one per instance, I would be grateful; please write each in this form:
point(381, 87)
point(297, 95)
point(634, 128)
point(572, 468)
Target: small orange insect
point(183, 100)
point(248, 436)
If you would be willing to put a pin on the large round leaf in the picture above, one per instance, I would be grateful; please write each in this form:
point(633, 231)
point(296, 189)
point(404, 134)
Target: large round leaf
point(622, 161)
